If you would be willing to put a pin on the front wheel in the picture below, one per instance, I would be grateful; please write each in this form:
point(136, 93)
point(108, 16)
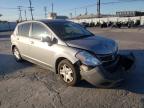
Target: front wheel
point(68, 73)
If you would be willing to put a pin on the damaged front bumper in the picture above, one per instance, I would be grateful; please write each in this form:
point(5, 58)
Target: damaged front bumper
point(102, 77)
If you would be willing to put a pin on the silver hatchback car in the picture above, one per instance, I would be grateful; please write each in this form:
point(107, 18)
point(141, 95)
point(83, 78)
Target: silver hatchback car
point(70, 50)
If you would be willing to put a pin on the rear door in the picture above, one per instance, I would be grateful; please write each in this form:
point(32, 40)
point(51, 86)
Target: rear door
point(23, 38)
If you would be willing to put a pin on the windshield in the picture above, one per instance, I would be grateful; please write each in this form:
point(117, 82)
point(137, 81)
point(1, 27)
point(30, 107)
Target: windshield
point(69, 30)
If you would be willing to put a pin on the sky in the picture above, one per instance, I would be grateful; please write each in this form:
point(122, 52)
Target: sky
point(8, 8)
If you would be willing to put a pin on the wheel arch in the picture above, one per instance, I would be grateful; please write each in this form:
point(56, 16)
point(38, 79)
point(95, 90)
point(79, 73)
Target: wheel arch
point(12, 47)
point(60, 59)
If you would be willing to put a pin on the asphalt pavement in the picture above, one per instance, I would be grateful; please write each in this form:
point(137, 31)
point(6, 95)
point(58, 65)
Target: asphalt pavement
point(25, 85)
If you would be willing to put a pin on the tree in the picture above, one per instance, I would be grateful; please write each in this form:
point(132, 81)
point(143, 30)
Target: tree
point(0, 15)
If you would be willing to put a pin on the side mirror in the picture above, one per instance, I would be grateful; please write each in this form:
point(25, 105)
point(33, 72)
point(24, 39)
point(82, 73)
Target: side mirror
point(47, 39)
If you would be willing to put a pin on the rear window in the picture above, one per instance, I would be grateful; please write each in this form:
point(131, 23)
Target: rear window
point(23, 30)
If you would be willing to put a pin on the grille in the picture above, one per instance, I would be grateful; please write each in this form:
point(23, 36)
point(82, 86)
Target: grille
point(109, 61)
point(107, 58)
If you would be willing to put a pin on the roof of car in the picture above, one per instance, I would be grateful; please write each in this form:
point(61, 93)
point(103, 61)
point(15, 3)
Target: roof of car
point(53, 20)
point(45, 21)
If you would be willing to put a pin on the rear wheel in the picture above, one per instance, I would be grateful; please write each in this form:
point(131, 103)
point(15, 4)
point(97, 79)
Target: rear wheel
point(68, 73)
point(16, 54)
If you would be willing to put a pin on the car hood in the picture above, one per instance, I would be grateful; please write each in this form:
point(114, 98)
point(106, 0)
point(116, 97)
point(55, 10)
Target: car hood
point(94, 44)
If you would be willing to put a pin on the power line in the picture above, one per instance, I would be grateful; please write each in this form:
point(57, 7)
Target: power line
point(102, 3)
point(11, 8)
point(8, 8)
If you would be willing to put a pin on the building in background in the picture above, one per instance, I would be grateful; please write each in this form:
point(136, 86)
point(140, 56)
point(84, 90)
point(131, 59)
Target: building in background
point(129, 13)
point(122, 16)
point(55, 16)
point(85, 16)
point(52, 15)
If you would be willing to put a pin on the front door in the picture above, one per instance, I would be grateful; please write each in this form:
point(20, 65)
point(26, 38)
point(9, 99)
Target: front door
point(38, 50)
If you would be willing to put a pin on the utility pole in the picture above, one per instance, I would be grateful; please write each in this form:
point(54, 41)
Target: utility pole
point(98, 8)
point(86, 12)
point(31, 9)
point(75, 12)
point(52, 8)
point(20, 13)
point(71, 15)
point(45, 11)
point(25, 15)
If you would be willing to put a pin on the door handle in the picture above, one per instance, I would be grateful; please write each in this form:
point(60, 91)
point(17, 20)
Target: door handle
point(31, 42)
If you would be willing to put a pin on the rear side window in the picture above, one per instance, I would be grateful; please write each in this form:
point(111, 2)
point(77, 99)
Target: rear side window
point(23, 30)
point(38, 31)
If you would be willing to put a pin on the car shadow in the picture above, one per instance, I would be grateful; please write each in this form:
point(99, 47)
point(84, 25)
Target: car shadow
point(9, 65)
point(134, 80)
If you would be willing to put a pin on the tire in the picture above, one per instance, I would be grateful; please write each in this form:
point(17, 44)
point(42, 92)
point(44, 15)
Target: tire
point(16, 54)
point(69, 74)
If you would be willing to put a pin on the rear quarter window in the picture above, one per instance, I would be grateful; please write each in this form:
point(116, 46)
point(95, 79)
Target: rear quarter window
point(23, 29)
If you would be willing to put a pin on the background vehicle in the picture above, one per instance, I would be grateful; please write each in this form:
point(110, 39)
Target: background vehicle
point(69, 50)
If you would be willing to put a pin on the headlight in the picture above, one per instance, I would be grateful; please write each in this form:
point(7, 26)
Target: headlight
point(87, 59)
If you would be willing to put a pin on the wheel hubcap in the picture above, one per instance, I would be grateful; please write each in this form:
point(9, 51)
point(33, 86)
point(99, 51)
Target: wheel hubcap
point(66, 73)
point(16, 53)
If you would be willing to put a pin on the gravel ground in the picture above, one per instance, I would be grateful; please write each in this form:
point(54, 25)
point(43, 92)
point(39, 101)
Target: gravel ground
point(25, 85)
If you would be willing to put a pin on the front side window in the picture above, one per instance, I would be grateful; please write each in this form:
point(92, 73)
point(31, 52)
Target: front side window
point(23, 29)
point(38, 31)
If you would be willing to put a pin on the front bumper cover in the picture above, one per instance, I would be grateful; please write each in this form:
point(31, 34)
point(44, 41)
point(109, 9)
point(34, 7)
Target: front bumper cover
point(101, 77)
